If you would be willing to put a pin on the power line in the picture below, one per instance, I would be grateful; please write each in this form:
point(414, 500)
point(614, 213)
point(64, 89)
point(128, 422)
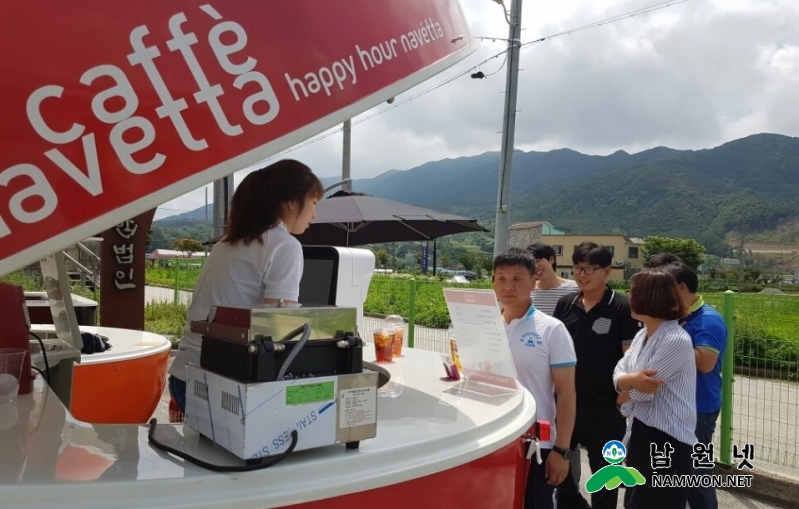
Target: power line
point(613, 19)
point(643, 10)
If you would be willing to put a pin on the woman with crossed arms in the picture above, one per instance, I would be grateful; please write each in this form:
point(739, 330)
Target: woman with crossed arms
point(657, 379)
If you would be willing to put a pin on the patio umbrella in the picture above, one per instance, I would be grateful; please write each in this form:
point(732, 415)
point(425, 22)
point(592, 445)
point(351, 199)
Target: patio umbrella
point(353, 219)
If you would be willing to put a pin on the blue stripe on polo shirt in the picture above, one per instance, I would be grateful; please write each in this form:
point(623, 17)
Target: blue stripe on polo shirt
point(563, 365)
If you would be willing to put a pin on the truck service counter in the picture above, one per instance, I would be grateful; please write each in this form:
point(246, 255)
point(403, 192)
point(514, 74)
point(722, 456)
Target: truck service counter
point(438, 445)
point(120, 385)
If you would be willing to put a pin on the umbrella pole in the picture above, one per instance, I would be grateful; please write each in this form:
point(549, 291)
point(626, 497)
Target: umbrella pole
point(434, 257)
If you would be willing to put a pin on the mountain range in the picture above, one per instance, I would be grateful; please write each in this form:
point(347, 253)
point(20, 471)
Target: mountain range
point(747, 186)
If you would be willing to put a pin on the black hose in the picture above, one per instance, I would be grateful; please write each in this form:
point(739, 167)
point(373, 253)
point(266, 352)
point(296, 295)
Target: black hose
point(265, 462)
point(306, 334)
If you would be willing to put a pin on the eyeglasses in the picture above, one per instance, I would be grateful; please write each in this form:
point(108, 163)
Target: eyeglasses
point(585, 270)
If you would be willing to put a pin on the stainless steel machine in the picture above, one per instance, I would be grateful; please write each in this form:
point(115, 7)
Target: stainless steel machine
point(267, 371)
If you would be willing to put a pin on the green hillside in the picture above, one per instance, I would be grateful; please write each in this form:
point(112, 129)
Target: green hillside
point(750, 183)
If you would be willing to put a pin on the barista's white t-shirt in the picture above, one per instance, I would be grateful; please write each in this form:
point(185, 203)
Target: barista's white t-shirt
point(239, 275)
point(539, 343)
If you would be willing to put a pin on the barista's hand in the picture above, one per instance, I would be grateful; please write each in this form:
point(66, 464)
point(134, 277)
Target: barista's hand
point(556, 468)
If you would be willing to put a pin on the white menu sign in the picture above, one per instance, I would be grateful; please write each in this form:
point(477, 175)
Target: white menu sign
point(480, 333)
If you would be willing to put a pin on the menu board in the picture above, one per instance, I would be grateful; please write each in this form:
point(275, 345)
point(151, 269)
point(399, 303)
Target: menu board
point(480, 333)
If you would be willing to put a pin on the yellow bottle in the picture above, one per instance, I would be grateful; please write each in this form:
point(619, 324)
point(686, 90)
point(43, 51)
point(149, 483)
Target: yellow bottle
point(453, 350)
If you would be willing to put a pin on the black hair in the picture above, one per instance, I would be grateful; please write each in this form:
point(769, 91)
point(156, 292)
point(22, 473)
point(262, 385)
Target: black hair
point(683, 274)
point(515, 256)
point(256, 204)
point(661, 259)
point(544, 252)
point(592, 253)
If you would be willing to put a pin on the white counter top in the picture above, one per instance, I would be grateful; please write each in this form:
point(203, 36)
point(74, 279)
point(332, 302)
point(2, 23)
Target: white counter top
point(126, 344)
point(425, 425)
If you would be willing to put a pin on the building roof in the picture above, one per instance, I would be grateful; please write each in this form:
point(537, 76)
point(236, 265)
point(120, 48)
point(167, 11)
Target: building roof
point(171, 253)
point(627, 239)
point(524, 226)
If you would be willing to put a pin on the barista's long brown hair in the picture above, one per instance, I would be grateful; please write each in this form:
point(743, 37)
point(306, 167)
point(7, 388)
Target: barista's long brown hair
point(256, 204)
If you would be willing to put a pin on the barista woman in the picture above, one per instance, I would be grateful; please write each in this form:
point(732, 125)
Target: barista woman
point(258, 260)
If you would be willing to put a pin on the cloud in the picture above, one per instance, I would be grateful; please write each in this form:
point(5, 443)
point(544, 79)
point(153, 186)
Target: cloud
point(690, 76)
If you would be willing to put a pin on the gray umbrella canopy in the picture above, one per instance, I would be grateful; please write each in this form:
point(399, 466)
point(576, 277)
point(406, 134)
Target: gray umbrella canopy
point(354, 219)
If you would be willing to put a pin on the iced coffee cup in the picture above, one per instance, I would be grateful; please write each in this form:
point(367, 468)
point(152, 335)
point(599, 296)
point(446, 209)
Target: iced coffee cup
point(384, 345)
point(397, 324)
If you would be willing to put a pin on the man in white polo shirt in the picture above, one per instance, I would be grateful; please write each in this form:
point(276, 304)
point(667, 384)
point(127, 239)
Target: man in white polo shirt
point(543, 354)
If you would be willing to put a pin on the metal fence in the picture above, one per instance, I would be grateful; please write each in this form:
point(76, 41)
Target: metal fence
point(421, 303)
point(763, 374)
point(765, 387)
point(176, 273)
point(425, 338)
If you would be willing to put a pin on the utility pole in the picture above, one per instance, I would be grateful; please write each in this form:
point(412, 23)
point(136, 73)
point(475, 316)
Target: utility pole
point(223, 193)
point(346, 156)
point(502, 222)
point(741, 255)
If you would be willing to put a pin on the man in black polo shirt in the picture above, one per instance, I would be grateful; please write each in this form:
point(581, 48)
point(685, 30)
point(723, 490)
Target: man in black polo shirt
point(602, 328)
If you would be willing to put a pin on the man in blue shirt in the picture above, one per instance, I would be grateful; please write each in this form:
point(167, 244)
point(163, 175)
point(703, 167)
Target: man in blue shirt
point(709, 336)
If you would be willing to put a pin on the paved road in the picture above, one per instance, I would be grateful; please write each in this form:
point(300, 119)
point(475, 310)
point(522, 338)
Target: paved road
point(159, 294)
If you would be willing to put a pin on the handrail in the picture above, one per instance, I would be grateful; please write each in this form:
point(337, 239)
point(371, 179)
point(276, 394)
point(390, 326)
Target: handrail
point(78, 265)
point(88, 251)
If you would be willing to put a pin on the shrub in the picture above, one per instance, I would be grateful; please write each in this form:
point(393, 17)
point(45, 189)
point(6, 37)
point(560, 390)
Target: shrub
point(165, 318)
point(29, 281)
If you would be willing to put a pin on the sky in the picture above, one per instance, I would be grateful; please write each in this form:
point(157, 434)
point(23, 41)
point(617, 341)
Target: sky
point(692, 75)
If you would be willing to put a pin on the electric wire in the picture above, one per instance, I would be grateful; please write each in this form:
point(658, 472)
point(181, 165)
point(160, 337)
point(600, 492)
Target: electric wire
point(613, 19)
point(504, 61)
point(46, 373)
point(251, 465)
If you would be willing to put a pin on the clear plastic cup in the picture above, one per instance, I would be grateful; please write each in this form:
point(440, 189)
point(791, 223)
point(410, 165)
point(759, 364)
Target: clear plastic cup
point(11, 360)
point(384, 345)
point(397, 324)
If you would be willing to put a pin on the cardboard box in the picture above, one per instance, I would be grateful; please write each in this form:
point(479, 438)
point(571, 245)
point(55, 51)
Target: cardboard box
point(256, 420)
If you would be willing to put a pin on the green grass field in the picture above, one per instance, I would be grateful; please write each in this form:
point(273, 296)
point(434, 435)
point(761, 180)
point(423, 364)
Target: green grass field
point(766, 326)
